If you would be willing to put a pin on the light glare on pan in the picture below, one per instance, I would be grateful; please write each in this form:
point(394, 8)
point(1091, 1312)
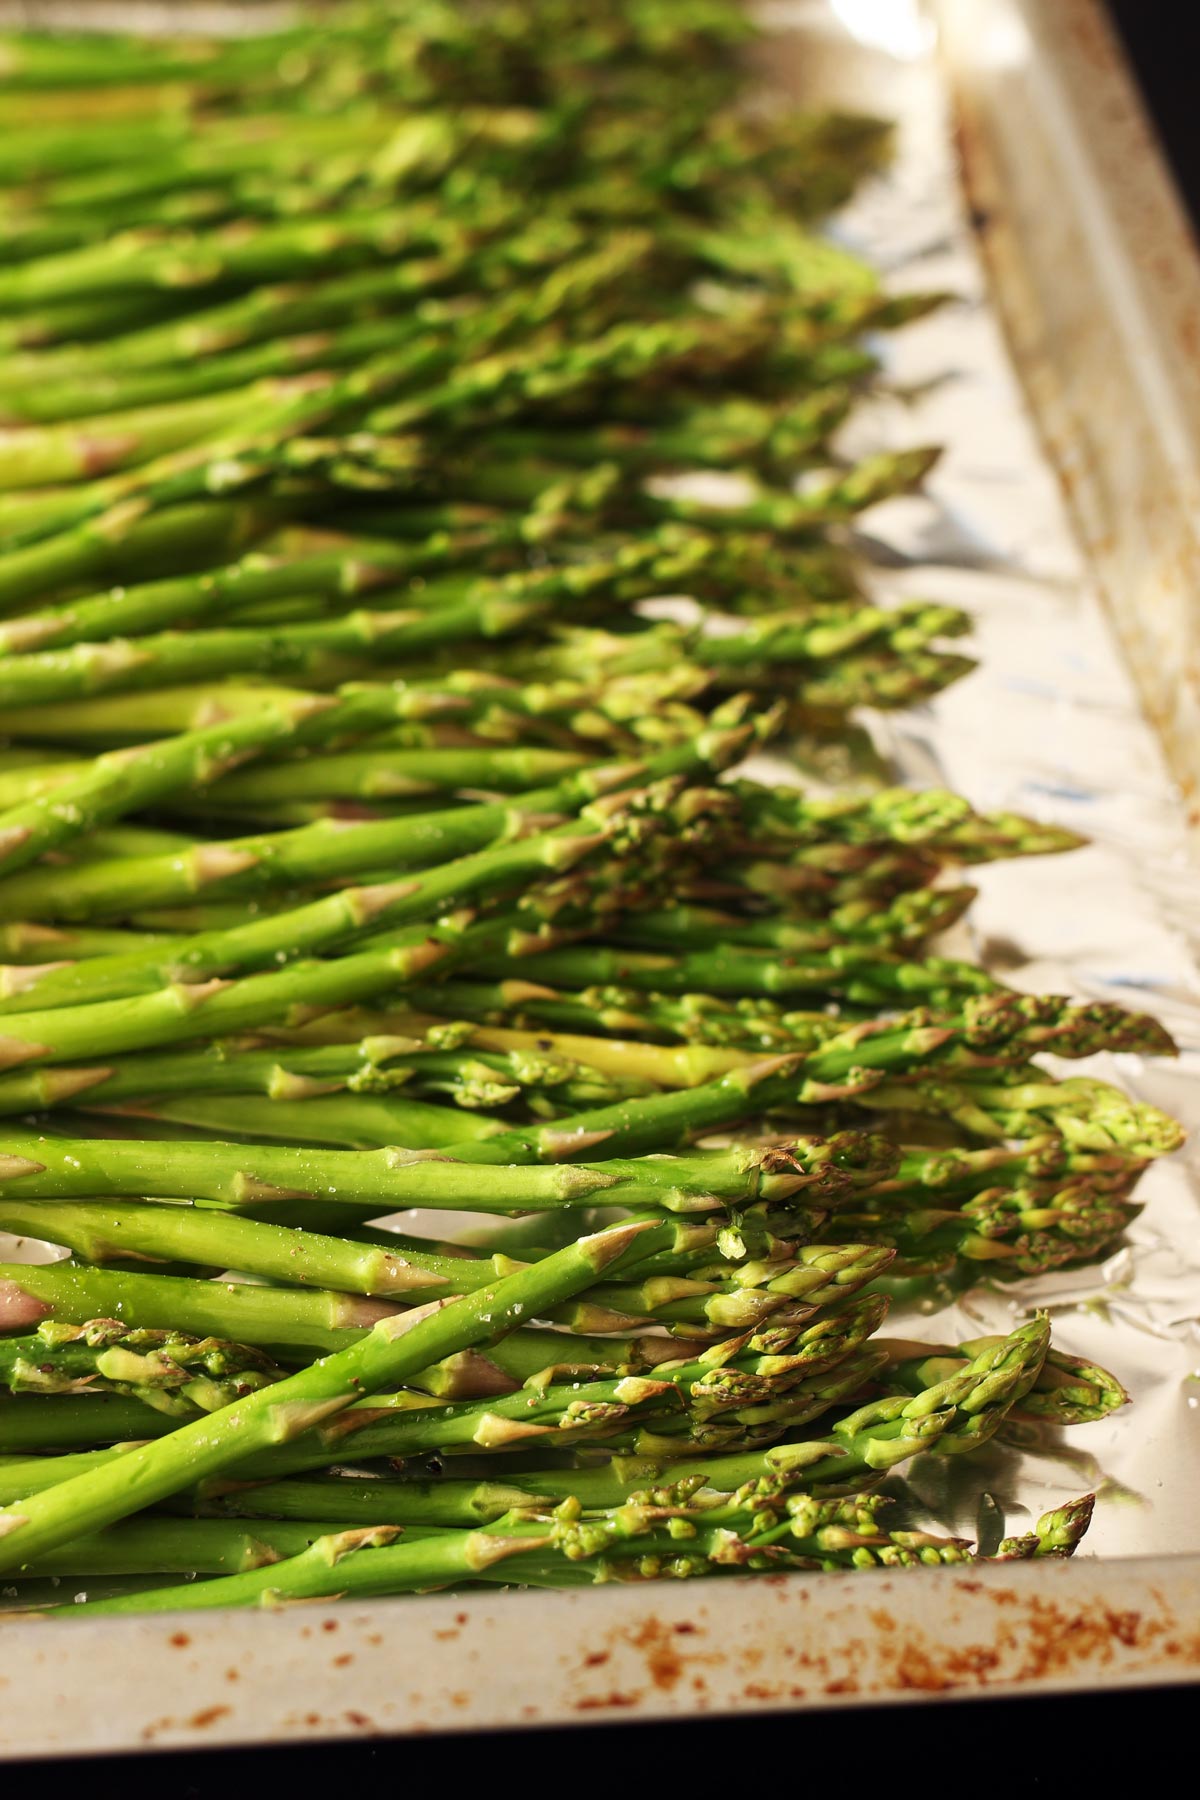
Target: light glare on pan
point(894, 26)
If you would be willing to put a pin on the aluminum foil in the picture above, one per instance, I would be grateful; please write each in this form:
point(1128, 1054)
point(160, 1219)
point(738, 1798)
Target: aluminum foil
point(1048, 725)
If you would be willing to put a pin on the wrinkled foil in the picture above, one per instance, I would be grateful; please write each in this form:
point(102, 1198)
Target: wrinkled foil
point(1049, 725)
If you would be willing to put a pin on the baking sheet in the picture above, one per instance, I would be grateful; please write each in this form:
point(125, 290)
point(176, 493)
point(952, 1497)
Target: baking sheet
point(1048, 725)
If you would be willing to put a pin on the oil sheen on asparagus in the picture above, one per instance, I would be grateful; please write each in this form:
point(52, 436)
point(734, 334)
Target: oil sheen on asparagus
point(421, 497)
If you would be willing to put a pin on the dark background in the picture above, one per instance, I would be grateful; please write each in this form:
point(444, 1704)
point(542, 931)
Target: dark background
point(1055, 1745)
point(1162, 40)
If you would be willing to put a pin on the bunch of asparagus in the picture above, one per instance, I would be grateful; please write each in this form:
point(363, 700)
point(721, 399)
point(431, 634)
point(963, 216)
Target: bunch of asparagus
point(372, 837)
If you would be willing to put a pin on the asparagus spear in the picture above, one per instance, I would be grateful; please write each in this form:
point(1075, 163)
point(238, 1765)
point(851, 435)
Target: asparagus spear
point(111, 1491)
point(833, 1532)
point(184, 1547)
point(330, 850)
point(459, 1005)
point(1008, 1229)
point(925, 816)
point(491, 385)
point(1024, 1102)
point(290, 1321)
point(692, 1289)
point(619, 822)
point(421, 1506)
point(986, 1031)
point(861, 974)
point(375, 1066)
point(146, 1232)
point(732, 1393)
point(759, 1530)
point(266, 312)
point(1068, 1391)
point(122, 781)
point(164, 1369)
point(44, 455)
point(361, 911)
point(331, 648)
point(950, 1418)
point(87, 390)
point(357, 568)
point(319, 852)
point(25, 941)
point(907, 922)
point(238, 1175)
point(335, 1121)
point(272, 250)
point(382, 772)
point(217, 1008)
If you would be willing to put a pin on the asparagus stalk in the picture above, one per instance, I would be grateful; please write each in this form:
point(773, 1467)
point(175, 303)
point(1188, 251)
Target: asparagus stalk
point(133, 544)
point(911, 919)
point(420, 1506)
point(733, 1392)
point(238, 1175)
point(282, 250)
point(837, 1532)
point(460, 1004)
point(164, 1369)
point(217, 1008)
point(291, 1322)
point(1025, 1102)
point(694, 1290)
point(359, 567)
point(384, 773)
point(112, 1490)
point(1008, 1229)
point(354, 912)
point(166, 390)
point(640, 1541)
point(496, 385)
point(376, 1066)
point(625, 1414)
point(487, 608)
point(471, 862)
point(149, 1233)
point(120, 782)
point(361, 911)
point(325, 649)
point(952, 1417)
point(987, 1031)
point(337, 1122)
point(43, 455)
point(268, 312)
point(25, 941)
point(861, 974)
point(184, 1547)
point(327, 850)
point(925, 816)
point(1068, 1391)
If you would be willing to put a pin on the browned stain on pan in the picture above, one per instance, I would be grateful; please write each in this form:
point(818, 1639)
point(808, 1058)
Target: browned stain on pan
point(1033, 1638)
